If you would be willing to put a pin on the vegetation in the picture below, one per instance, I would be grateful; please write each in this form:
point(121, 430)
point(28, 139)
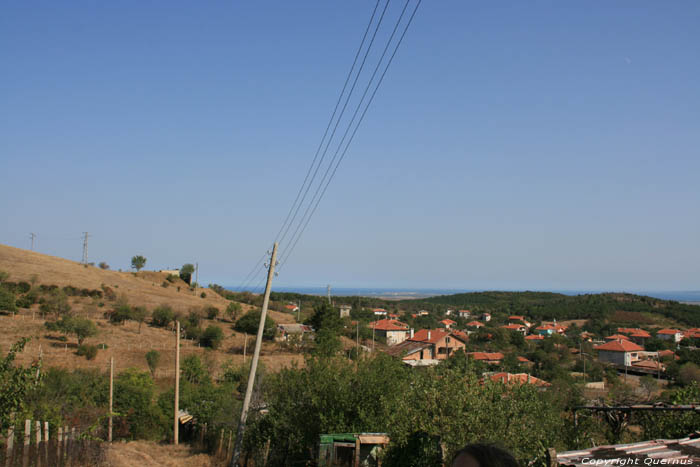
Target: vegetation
point(138, 262)
point(104, 265)
point(55, 304)
point(16, 383)
point(7, 301)
point(81, 327)
point(152, 358)
point(186, 272)
point(212, 337)
point(250, 321)
point(162, 316)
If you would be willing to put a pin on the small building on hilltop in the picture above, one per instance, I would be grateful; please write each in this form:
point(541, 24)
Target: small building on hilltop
point(344, 310)
point(285, 331)
point(492, 358)
point(447, 323)
point(521, 328)
point(518, 378)
point(619, 352)
point(673, 335)
point(429, 346)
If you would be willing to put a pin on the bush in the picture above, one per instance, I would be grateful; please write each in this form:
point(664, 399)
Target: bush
point(203, 295)
point(212, 337)
point(120, 314)
point(165, 284)
point(233, 309)
point(212, 312)
point(249, 324)
point(103, 265)
point(7, 301)
point(162, 316)
point(172, 278)
point(89, 351)
point(152, 358)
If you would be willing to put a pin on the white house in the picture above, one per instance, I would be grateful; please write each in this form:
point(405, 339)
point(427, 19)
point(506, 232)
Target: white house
point(670, 335)
point(620, 352)
point(344, 310)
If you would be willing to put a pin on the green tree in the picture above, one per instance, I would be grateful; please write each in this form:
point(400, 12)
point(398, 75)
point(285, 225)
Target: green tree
point(16, 383)
point(212, 337)
point(249, 323)
point(152, 358)
point(162, 316)
point(194, 371)
point(81, 327)
point(212, 312)
point(7, 301)
point(134, 392)
point(186, 272)
point(233, 310)
point(138, 262)
point(138, 314)
point(56, 303)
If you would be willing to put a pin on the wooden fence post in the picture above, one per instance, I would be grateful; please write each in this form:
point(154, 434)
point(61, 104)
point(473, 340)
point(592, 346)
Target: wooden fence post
point(46, 442)
point(58, 445)
point(66, 445)
point(10, 446)
point(38, 443)
point(27, 440)
point(228, 448)
point(221, 441)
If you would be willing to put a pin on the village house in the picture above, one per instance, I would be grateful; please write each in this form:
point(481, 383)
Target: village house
point(492, 358)
point(447, 323)
point(636, 335)
point(521, 328)
point(534, 337)
point(344, 310)
point(486, 317)
point(519, 319)
point(428, 347)
point(475, 324)
point(394, 331)
point(464, 314)
point(617, 337)
point(379, 312)
point(545, 330)
point(291, 308)
point(620, 352)
point(285, 331)
point(518, 378)
point(673, 335)
point(449, 312)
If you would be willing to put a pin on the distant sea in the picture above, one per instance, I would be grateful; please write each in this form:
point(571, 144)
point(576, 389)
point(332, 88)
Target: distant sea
point(406, 293)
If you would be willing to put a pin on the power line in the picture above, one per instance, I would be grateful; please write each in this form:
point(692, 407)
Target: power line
point(352, 136)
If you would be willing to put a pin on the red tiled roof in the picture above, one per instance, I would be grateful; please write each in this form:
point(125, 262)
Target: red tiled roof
point(487, 356)
point(435, 335)
point(668, 353)
point(464, 311)
point(649, 364)
point(516, 317)
point(460, 335)
point(620, 346)
point(546, 327)
point(516, 327)
point(389, 325)
point(523, 360)
point(518, 378)
point(378, 310)
point(616, 337)
point(448, 322)
point(668, 331)
point(633, 332)
point(475, 324)
point(534, 337)
point(291, 307)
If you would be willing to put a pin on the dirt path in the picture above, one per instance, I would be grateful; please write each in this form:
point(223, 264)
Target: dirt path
point(144, 454)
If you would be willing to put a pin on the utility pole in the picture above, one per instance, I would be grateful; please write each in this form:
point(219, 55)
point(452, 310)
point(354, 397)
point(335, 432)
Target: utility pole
point(32, 236)
point(85, 247)
point(196, 274)
point(176, 421)
point(111, 397)
point(254, 363)
point(329, 294)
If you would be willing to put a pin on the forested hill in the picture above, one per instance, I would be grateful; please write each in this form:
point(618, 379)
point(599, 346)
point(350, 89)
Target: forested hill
point(546, 305)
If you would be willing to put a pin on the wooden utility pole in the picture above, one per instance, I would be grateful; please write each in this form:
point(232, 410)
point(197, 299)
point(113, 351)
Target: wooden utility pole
point(254, 364)
point(176, 421)
point(111, 398)
point(245, 346)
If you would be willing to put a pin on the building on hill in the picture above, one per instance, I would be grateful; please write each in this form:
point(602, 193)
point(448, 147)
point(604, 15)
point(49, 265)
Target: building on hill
point(545, 330)
point(428, 347)
point(534, 338)
point(486, 317)
point(464, 314)
point(170, 272)
point(619, 352)
point(285, 331)
point(475, 324)
point(344, 310)
point(492, 358)
point(379, 312)
point(291, 308)
point(636, 335)
point(519, 319)
point(521, 328)
point(394, 331)
point(447, 323)
point(617, 337)
point(517, 378)
point(673, 335)
point(668, 353)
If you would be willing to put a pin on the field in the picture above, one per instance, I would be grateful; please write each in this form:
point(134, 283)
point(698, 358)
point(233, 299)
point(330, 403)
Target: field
point(123, 342)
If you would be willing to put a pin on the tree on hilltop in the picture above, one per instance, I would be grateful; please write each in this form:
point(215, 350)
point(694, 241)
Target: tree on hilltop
point(138, 262)
point(186, 272)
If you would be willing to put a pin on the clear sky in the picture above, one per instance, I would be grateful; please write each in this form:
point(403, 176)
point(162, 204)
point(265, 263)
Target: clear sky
point(539, 144)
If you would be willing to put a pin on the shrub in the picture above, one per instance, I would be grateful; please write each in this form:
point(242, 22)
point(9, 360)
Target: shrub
point(249, 323)
point(162, 316)
point(212, 337)
point(165, 284)
point(89, 351)
point(23, 287)
point(56, 303)
point(152, 358)
point(171, 278)
point(233, 309)
point(193, 319)
point(7, 301)
point(203, 295)
point(193, 332)
point(120, 314)
point(108, 293)
point(212, 312)
point(103, 265)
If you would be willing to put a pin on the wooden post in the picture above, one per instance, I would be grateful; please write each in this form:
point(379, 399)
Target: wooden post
point(552, 457)
point(228, 446)
point(38, 442)
point(256, 357)
point(27, 440)
point(66, 446)
point(10, 446)
point(245, 346)
point(111, 398)
point(58, 445)
point(356, 462)
point(221, 442)
point(176, 421)
point(46, 442)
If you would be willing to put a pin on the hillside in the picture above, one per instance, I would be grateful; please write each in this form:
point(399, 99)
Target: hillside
point(124, 342)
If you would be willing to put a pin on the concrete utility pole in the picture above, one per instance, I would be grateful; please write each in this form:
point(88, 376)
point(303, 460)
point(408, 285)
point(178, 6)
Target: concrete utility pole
point(196, 273)
point(329, 294)
point(32, 236)
point(85, 247)
point(254, 363)
point(111, 398)
point(176, 421)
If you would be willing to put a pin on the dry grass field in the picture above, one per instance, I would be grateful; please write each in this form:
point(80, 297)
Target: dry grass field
point(147, 454)
point(124, 342)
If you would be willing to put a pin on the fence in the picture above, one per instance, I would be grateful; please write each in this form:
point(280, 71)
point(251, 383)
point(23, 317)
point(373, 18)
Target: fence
point(34, 447)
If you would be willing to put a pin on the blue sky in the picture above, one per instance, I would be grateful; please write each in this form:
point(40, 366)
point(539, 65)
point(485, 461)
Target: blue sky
point(541, 145)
